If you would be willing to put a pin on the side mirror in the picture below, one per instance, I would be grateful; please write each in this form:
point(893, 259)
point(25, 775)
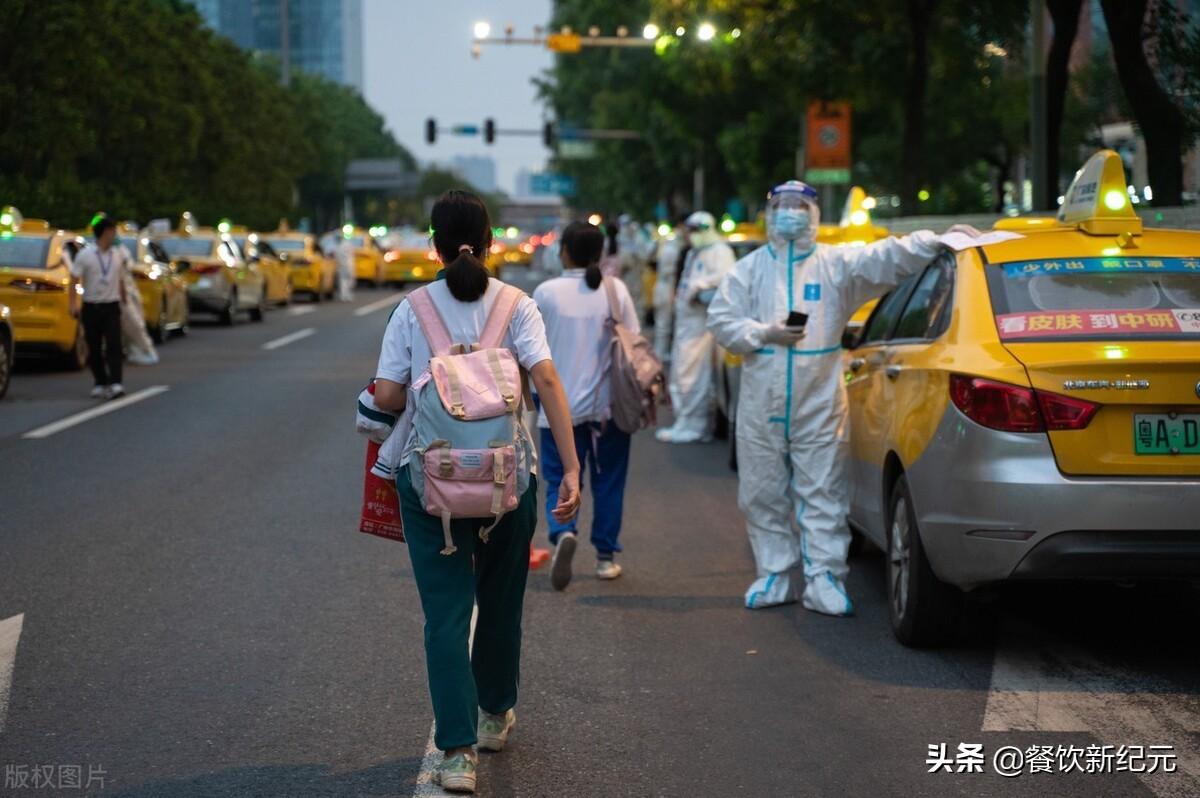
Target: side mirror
point(849, 338)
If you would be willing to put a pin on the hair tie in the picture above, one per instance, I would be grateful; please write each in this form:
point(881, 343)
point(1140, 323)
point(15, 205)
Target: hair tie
point(467, 248)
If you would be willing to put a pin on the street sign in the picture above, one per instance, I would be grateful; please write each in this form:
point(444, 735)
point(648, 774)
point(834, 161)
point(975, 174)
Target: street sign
point(577, 150)
point(827, 177)
point(465, 130)
point(827, 153)
point(553, 184)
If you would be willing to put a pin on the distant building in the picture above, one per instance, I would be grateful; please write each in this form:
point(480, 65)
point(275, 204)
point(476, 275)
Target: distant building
point(326, 36)
point(478, 170)
point(523, 182)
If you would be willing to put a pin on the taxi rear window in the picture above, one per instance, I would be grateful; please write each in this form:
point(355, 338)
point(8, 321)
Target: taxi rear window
point(23, 252)
point(1096, 298)
point(286, 244)
point(187, 247)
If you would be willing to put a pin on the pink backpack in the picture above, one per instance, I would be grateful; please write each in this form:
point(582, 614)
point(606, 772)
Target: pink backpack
point(472, 458)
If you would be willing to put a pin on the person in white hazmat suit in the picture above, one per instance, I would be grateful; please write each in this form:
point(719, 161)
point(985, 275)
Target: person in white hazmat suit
point(666, 260)
point(693, 354)
point(792, 417)
point(343, 255)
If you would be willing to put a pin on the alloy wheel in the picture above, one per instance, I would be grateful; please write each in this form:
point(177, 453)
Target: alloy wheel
point(899, 551)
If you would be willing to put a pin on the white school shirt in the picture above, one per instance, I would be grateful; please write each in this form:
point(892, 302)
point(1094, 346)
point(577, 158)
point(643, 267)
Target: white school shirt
point(101, 273)
point(405, 354)
point(575, 318)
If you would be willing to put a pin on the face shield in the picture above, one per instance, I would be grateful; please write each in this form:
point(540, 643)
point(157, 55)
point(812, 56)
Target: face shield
point(793, 214)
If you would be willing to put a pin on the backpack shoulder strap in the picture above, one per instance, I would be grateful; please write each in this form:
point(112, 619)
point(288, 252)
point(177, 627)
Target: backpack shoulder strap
point(613, 304)
point(500, 317)
point(430, 319)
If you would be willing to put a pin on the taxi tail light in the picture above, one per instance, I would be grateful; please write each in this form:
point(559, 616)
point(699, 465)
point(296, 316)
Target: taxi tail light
point(32, 285)
point(206, 268)
point(1065, 412)
point(997, 405)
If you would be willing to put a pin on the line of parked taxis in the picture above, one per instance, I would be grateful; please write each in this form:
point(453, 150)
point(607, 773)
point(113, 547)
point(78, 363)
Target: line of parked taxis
point(1029, 410)
point(226, 271)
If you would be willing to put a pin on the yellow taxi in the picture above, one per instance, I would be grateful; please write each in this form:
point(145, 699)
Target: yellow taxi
point(508, 249)
point(368, 257)
point(7, 348)
point(275, 272)
point(35, 284)
point(219, 279)
point(413, 261)
point(311, 272)
point(854, 229)
point(1030, 409)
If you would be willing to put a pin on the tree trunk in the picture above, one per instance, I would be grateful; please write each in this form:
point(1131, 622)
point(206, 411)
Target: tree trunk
point(1065, 14)
point(1159, 120)
point(912, 175)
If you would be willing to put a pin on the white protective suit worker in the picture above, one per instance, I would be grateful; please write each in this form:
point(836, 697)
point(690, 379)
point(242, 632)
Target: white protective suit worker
point(666, 260)
point(693, 354)
point(792, 420)
point(343, 255)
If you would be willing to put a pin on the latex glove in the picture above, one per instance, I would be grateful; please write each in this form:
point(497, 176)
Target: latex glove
point(782, 335)
point(965, 229)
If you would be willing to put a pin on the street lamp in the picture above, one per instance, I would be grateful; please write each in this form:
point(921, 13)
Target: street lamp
point(482, 30)
point(650, 32)
point(706, 32)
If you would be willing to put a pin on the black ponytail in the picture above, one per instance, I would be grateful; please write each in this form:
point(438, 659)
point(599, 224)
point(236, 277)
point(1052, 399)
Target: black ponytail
point(584, 244)
point(462, 236)
point(611, 231)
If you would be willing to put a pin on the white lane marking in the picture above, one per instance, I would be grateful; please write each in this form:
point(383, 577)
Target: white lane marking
point(300, 310)
point(10, 633)
point(379, 304)
point(1039, 684)
point(290, 338)
point(95, 412)
point(425, 787)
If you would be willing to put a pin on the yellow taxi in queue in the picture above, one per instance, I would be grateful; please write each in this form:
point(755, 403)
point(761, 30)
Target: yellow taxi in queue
point(261, 254)
point(219, 279)
point(162, 290)
point(1030, 409)
point(311, 272)
point(368, 257)
point(35, 284)
point(854, 229)
point(413, 261)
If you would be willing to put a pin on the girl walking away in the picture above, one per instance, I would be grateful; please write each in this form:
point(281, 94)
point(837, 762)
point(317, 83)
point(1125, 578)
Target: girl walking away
point(577, 309)
point(467, 561)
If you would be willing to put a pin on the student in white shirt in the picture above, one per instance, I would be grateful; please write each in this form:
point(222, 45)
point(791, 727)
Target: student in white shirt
point(473, 695)
point(576, 311)
point(100, 268)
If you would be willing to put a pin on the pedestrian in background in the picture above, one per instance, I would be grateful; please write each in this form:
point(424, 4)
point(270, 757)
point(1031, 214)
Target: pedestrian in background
point(666, 261)
point(101, 268)
point(473, 695)
point(693, 383)
point(343, 255)
point(577, 310)
point(133, 321)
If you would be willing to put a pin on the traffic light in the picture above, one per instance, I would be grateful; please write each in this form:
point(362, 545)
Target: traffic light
point(430, 130)
point(489, 131)
point(548, 134)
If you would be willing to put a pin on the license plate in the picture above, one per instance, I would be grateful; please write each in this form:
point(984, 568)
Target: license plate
point(1166, 433)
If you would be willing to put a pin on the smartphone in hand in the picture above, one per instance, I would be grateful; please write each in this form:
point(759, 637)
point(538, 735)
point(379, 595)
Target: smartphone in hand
point(797, 319)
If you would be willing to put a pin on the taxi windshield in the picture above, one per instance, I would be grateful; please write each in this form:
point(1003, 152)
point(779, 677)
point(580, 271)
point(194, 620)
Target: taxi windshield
point(179, 247)
point(286, 244)
point(24, 252)
point(1096, 298)
point(356, 241)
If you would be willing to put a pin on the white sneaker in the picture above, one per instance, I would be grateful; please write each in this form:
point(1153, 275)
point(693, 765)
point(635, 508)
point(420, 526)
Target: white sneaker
point(142, 359)
point(456, 774)
point(494, 729)
point(772, 590)
point(826, 594)
point(607, 569)
point(560, 565)
point(99, 391)
point(115, 391)
point(671, 435)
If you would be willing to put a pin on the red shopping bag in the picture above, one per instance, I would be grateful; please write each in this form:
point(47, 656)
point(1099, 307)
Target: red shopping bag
point(381, 504)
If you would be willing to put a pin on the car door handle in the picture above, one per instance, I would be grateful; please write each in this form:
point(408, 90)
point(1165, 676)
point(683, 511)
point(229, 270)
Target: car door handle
point(857, 363)
point(893, 371)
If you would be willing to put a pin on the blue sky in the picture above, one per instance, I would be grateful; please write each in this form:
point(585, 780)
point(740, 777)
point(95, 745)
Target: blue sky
point(417, 63)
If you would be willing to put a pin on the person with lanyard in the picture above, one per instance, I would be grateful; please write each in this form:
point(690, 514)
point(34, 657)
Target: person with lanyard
point(100, 268)
point(576, 311)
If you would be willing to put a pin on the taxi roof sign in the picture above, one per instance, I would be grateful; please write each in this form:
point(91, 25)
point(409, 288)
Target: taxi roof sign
point(1097, 201)
point(857, 210)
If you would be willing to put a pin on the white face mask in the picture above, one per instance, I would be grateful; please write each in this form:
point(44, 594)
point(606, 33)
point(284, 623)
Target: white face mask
point(791, 224)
